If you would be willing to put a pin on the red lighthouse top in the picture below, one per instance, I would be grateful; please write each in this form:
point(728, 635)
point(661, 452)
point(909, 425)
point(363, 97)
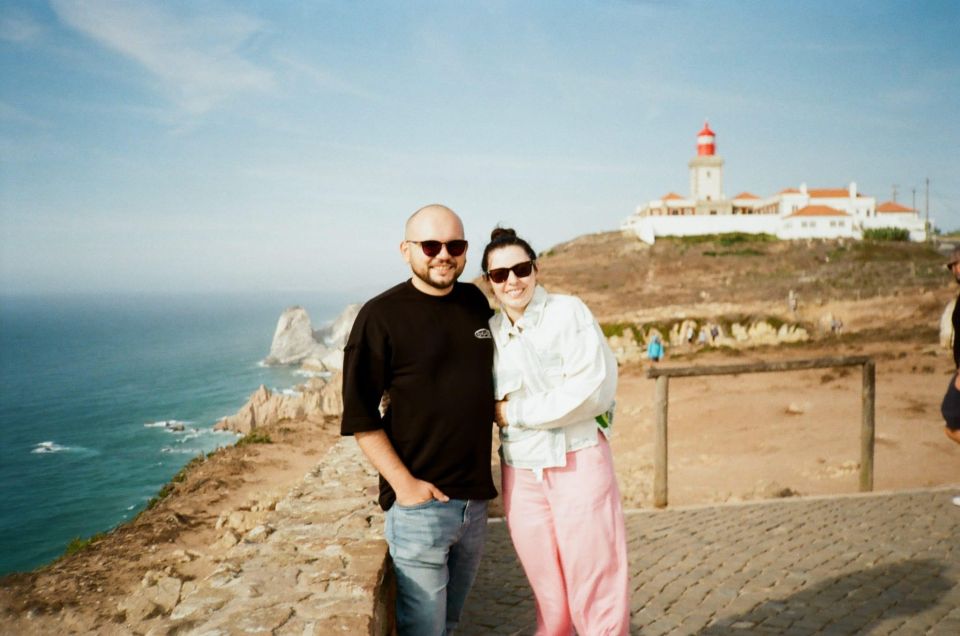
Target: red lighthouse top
point(706, 141)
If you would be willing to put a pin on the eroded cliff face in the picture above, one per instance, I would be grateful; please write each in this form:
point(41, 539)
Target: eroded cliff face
point(310, 401)
point(293, 339)
point(295, 342)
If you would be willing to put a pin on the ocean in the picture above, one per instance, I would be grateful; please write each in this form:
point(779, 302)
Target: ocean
point(92, 389)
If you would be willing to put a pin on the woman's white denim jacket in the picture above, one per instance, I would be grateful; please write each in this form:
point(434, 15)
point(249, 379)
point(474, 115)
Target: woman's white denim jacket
point(558, 373)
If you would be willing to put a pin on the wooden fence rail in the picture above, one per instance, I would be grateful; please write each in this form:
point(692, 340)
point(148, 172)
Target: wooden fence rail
point(661, 397)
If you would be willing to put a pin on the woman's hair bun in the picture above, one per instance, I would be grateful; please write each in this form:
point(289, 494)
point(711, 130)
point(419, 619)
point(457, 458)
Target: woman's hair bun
point(502, 233)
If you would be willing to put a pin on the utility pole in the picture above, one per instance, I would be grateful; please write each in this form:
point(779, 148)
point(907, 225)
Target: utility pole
point(914, 206)
point(895, 187)
point(926, 207)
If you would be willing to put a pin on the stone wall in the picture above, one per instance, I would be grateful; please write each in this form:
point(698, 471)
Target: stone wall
point(316, 564)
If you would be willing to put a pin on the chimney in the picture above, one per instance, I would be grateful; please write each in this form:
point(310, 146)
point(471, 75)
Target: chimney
point(853, 189)
point(803, 188)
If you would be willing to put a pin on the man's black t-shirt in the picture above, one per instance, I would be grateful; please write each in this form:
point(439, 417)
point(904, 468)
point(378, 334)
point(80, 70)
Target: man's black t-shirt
point(433, 355)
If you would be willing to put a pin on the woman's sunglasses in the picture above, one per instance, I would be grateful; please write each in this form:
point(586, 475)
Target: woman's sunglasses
point(501, 274)
point(431, 248)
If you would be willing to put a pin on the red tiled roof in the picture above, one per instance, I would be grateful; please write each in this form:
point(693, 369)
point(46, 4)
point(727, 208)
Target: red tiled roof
point(746, 195)
point(670, 195)
point(790, 191)
point(830, 193)
point(893, 206)
point(818, 210)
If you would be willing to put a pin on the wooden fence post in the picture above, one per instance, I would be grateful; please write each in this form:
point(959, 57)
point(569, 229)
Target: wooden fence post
point(660, 444)
point(867, 426)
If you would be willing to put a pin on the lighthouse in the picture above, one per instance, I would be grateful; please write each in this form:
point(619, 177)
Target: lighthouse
point(706, 170)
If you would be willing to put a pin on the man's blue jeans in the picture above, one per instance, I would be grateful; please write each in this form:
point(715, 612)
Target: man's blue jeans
point(436, 549)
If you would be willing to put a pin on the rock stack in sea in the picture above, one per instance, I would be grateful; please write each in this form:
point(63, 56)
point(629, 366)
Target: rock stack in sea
point(295, 342)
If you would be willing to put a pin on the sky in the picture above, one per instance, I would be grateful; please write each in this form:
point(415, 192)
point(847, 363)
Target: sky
point(183, 146)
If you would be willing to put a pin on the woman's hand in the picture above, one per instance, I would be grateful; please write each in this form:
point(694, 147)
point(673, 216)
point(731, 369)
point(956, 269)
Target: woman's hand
point(500, 413)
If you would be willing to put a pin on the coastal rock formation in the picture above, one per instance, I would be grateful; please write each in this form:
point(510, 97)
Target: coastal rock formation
point(293, 339)
point(627, 349)
point(296, 342)
point(311, 401)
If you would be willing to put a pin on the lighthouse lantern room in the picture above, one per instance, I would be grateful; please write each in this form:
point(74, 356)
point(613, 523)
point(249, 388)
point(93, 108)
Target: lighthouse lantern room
point(706, 169)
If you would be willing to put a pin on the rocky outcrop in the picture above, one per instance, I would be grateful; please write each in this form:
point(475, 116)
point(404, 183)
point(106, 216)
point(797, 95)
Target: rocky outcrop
point(296, 342)
point(293, 339)
point(314, 562)
point(310, 401)
point(628, 349)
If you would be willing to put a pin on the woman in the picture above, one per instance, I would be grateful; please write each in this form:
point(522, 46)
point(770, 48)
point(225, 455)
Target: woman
point(555, 380)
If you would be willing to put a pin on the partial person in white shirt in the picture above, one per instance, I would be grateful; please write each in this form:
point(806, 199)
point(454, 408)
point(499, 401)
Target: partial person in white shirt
point(555, 379)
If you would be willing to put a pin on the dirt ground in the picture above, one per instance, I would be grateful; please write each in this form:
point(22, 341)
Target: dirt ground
point(735, 438)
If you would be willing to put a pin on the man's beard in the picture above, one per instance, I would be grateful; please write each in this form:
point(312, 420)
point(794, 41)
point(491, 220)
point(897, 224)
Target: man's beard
point(424, 275)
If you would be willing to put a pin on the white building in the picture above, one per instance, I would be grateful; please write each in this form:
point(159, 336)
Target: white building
point(790, 214)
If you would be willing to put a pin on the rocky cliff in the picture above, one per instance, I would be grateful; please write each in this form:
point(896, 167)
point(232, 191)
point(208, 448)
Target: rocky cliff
point(309, 401)
point(296, 342)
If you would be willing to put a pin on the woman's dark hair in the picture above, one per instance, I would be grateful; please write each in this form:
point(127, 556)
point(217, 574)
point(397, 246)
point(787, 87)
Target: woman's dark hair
point(504, 237)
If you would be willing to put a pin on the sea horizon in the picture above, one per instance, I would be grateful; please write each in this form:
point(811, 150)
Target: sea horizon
point(104, 396)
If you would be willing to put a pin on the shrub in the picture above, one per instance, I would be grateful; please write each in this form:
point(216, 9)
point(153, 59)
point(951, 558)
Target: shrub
point(77, 544)
point(611, 329)
point(887, 234)
point(726, 239)
point(254, 437)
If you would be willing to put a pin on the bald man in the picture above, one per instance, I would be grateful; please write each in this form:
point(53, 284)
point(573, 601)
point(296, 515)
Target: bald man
point(425, 345)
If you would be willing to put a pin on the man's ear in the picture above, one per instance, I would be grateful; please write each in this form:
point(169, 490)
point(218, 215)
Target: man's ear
point(405, 251)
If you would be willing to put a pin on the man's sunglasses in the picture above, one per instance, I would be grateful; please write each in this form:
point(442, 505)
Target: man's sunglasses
point(501, 274)
point(431, 248)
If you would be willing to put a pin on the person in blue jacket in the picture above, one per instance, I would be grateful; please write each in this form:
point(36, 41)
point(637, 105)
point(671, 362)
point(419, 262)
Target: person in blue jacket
point(655, 349)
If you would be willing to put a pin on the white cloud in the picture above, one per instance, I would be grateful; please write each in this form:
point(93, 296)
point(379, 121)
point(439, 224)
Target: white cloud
point(196, 58)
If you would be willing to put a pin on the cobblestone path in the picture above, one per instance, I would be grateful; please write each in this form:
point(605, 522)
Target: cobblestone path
point(865, 564)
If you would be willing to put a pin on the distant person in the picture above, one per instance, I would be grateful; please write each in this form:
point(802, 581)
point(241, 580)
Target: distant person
point(950, 408)
point(792, 302)
point(655, 349)
point(556, 378)
point(425, 343)
point(703, 337)
point(836, 326)
point(954, 266)
point(714, 333)
point(690, 334)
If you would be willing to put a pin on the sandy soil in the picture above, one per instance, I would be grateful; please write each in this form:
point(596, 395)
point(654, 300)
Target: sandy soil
point(734, 438)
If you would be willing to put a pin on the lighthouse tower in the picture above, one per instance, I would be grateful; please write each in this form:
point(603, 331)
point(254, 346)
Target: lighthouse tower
point(706, 169)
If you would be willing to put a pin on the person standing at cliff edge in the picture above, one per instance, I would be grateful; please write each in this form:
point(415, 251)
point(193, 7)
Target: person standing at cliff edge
point(950, 408)
point(425, 345)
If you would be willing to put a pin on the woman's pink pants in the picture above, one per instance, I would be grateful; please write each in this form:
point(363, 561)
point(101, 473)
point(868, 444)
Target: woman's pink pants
point(569, 534)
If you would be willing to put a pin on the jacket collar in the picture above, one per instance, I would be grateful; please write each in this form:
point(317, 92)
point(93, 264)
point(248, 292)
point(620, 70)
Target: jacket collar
point(531, 315)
